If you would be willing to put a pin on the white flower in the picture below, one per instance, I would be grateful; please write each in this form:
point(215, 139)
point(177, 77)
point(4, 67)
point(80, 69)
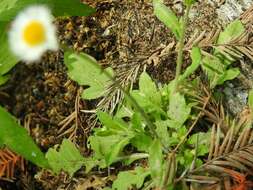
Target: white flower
point(32, 33)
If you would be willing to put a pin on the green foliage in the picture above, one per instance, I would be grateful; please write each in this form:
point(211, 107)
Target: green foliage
point(196, 61)
point(217, 66)
point(10, 8)
point(84, 69)
point(68, 158)
point(127, 179)
point(156, 162)
point(231, 32)
point(250, 100)
point(168, 110)
point(217, 71)
point(201, 143)
point(168, 17)
point(189, 2)
point(18, 140)
point(178, 111)
point(148, 97)
point(109, 141)
point(7, 60)
point(4, 79)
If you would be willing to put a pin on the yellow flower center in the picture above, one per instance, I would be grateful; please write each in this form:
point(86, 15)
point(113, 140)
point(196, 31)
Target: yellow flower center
point(34, 33)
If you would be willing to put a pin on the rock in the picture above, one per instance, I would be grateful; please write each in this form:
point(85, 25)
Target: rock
point(232, 9)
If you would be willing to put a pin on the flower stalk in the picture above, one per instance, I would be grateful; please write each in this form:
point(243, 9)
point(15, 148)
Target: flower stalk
point(181, 45)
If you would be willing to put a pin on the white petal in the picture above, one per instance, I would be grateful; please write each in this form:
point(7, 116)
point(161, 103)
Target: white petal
point(17, 44)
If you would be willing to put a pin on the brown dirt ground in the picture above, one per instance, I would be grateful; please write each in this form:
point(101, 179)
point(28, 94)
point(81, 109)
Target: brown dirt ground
point(41, 95)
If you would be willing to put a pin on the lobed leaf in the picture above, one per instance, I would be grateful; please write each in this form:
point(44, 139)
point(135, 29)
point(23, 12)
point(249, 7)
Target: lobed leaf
point(68, 158)
point(127, 179)
point(83, 69)
point(231, 32)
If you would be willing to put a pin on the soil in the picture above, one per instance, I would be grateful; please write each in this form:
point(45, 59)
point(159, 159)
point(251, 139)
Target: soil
point(120, 34)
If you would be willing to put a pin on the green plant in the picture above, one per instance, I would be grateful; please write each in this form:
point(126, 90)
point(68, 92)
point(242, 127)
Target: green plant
point(154, 123)
point(68, 158)
point(167, 109)
point(158, 124)
point(157, 118)
point(83, 69)
point(217, 65)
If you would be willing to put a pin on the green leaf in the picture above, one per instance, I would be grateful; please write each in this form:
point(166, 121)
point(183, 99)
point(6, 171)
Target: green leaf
point(69, 8)
point(203, 140)
point(101, 145)
point(148, 96)
point(229, 74)
point(148, 103)
point(59, 8)
point(231, 32)
point(250, 100)
point(146, 85)
point(162, 132)
point(196, 61)
point(142, 141)
point(4, 79)
point(116, 149)
point(127, 179)
point(178, 111)
point(17, 139)
point(7, 59)
point(137, 123)
point(148, 88)
point(68, 158)
point(189, 2)
point(7, 4)
point(112, 124)
point(156, 162)
point(217, 71)
point(109, 141)
point(129, 159)
point(108, 147)
point(91, 162)
point(83, 69)
point(168, 17)
point(217, 66)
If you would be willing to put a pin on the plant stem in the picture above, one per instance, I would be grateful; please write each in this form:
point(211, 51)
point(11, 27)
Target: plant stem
point(169, 172)
point(181, 46)
point(134, 156)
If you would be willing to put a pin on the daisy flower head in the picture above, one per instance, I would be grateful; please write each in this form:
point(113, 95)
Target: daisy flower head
point(32, 33)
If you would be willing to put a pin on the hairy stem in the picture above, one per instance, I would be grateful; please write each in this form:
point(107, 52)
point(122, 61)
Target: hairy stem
point(181, 46)
point(169, 172)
